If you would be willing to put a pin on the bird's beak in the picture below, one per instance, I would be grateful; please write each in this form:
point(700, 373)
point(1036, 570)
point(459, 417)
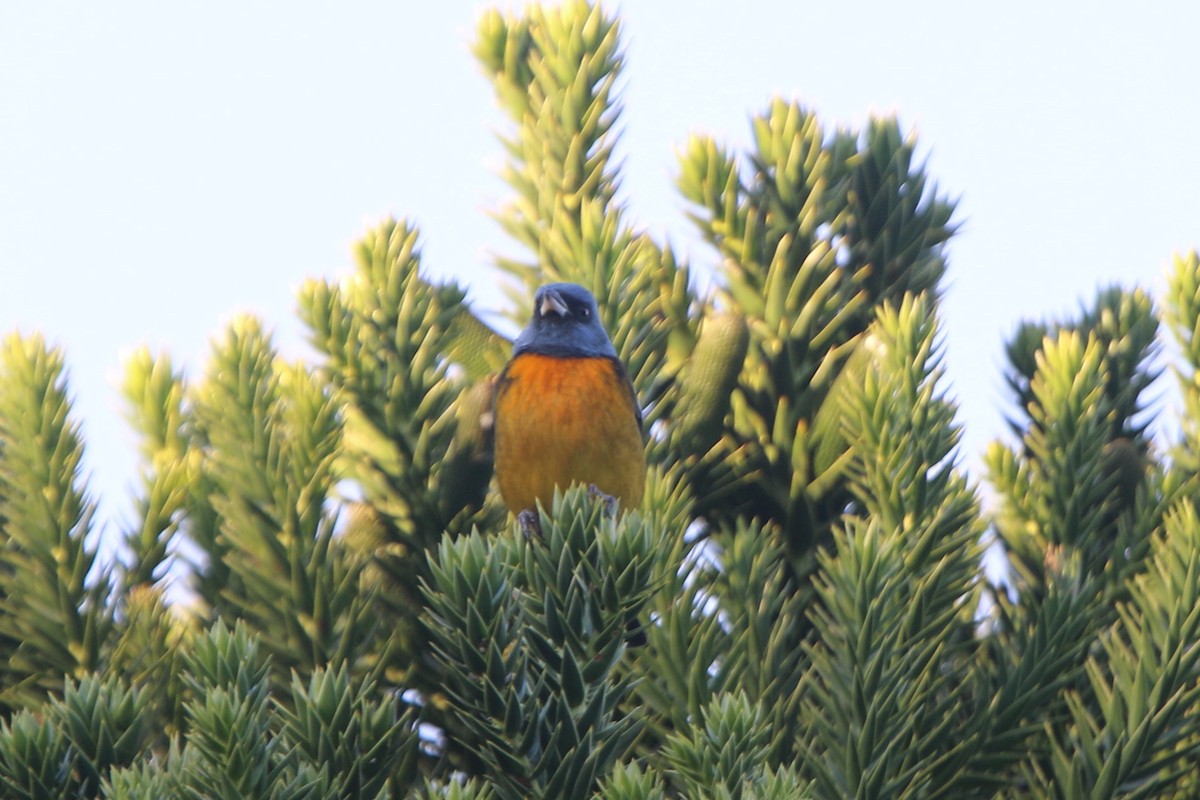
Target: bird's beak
point(552, 303)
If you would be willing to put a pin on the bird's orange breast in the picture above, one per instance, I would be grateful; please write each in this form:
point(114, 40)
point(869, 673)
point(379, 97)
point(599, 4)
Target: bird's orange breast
point(561, 421)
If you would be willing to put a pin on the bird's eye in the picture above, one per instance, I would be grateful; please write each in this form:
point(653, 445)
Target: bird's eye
point(585, 312)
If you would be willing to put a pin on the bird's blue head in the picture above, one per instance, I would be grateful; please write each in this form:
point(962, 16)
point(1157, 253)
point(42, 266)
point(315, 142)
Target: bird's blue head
point(565, 323)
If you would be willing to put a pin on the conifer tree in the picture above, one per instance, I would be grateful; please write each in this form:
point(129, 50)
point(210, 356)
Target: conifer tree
point(320, 595)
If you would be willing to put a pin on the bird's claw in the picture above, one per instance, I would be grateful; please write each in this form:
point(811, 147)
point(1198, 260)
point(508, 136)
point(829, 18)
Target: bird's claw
point(531, 526)
point(610, 502)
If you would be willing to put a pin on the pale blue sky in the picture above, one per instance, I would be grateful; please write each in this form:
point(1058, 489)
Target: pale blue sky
point(166, 165)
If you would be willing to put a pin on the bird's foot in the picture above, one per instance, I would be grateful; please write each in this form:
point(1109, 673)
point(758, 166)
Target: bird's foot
point(610, 502)
point(531, 526)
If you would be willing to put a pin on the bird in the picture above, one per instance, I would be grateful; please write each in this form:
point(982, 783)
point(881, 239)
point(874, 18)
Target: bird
point(565, 410)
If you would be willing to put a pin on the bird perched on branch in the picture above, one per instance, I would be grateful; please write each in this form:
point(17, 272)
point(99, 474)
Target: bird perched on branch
point(565, 409)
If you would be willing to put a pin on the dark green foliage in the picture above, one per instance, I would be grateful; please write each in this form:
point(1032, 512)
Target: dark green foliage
point(359, 737)
point(1125, 735)
point(35, 758)
point(148, 653)
point(530, 631)
point(351, 615)
point(230, 751)
point(106, 723)
point(723, 751)
point(329, 739)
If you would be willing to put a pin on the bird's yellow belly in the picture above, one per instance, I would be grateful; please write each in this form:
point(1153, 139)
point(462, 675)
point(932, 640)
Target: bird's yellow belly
point(561, 421)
